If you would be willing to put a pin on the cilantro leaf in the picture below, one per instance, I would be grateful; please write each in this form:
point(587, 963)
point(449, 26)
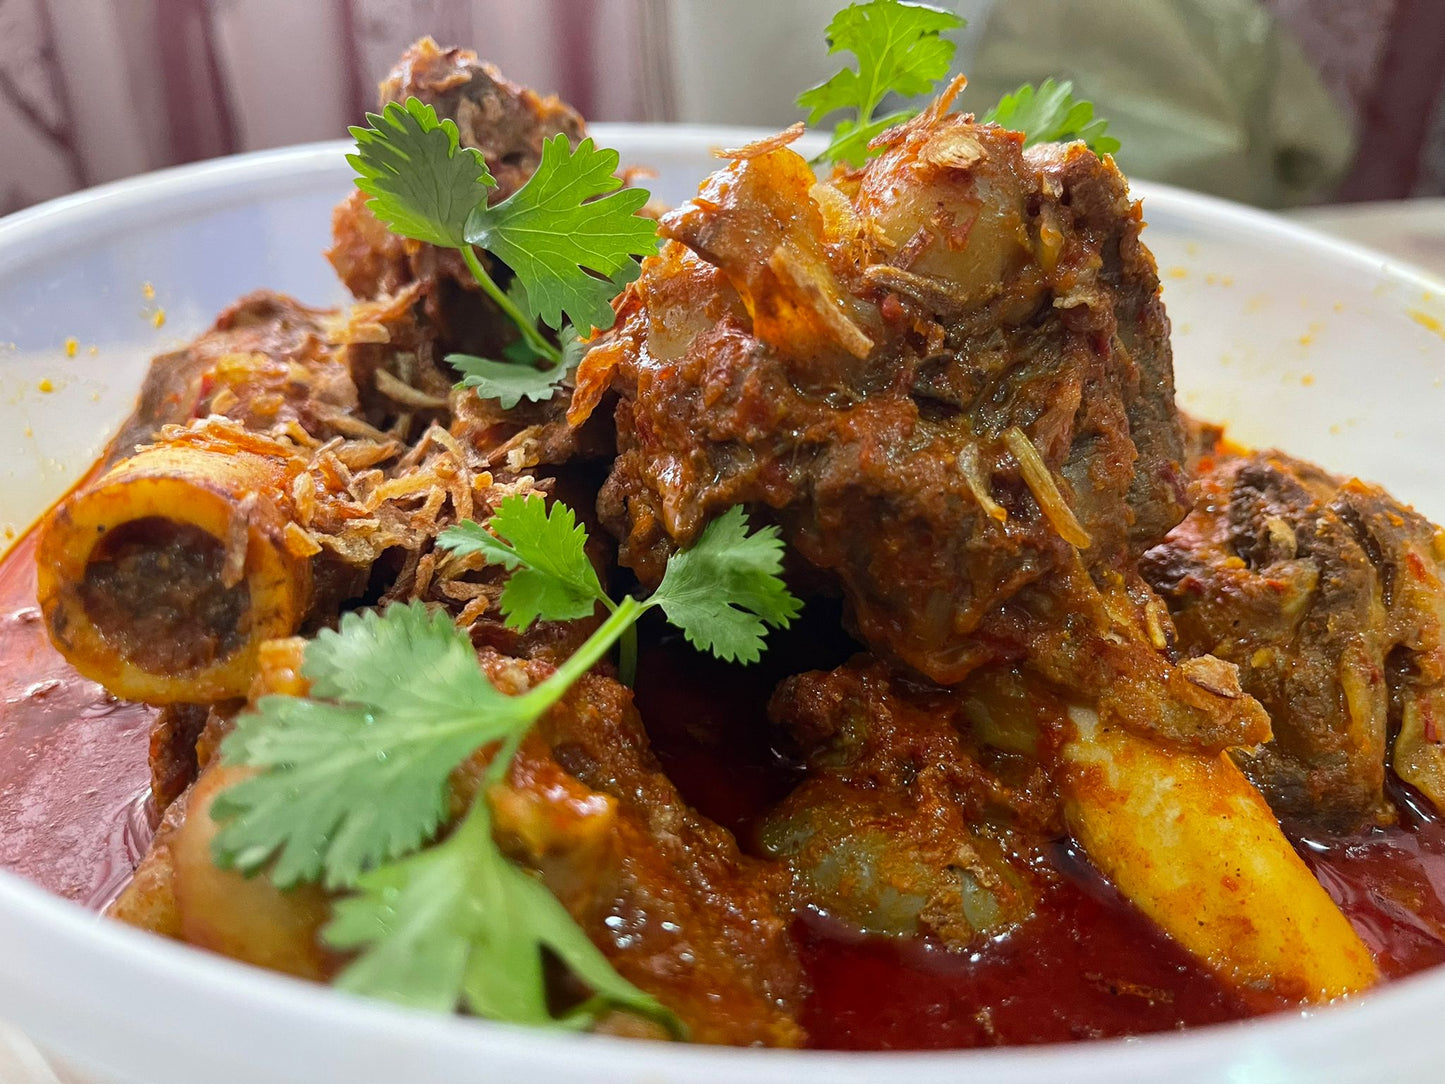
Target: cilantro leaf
point(508, 382)
point(354, 778)
point(518, 378)
point(552, 578)
point(411, 917)
point(850, 141)
point(469, 536)
point(356, 774)
point(554, 233)
point(422, 183)
point(899, 48)
point(460, 925)
point(1051, 114)
point(725, 589)
point(557, 235)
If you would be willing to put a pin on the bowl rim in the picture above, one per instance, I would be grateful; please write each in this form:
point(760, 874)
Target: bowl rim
point(111, 207)
point(65, 952)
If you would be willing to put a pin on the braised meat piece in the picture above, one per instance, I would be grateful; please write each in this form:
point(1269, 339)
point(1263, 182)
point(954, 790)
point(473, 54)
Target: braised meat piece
point(274, 365)
point(507, 122)
point(1106, 640)
point(930, 810)
point(1327, 594)
point(172, 752)
point(1202, 441)
point(664, 892)
point(947, 376)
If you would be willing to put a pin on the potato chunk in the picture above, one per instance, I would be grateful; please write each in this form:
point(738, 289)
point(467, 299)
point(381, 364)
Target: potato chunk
point(246, 918)
point(1195, 847)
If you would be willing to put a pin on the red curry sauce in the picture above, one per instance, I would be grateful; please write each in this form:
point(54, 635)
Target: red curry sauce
point(73, 786)
point(74, 779)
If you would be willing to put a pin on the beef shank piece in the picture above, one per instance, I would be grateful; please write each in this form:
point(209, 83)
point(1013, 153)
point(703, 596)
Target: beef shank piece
point(268, 360)
point(931, 810)
point(1327, 594)
point(665, 893)
point(947, 376)
point(507, 122)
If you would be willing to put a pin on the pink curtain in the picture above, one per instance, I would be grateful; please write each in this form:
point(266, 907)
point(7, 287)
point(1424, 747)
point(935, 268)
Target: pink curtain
point(92, 90)
point(1385, 60)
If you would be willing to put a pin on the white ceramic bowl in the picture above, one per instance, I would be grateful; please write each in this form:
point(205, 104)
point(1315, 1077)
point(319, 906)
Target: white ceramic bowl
point(1324, 349)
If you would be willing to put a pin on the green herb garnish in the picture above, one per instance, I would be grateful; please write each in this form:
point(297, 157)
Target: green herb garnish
point(517, 378)
point(1051, 114)
point(353, 777)
point(355, 774)
point(559, 231)
point(459, 924)
point(551, 579)
point(900, 50)
point(567, 235)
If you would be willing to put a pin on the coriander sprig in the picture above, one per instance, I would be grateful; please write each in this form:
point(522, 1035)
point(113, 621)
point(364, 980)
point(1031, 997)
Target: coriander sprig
point(568, 237)
point(551, 573)
point(458, 923)
point(567, 225)
point(511, 381)
point(423, 184)
point(398, 699)
point(900, 50)
point(352, 779)
point(1050, 113)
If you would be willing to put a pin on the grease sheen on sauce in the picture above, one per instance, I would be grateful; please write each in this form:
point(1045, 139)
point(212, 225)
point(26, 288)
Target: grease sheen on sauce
point(74, 781)
point(73, 800)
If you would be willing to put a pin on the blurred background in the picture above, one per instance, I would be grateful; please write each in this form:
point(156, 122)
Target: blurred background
point(1275, 102)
